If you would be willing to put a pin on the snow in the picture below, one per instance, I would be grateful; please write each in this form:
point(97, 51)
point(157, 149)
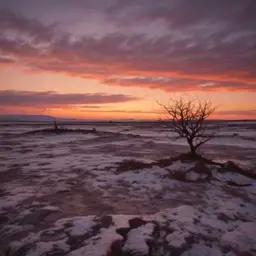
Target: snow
point(180, 166)
point(29, 239)
point(210, 234)
point(235, 141)
point(177, 238)
point(231, 176)
point(137, 239)
point(184, 214)
point(122, 220)
point(98, 245)
point(76, 175)
point(241, 239)
point(143, 180)
point(43, 248)
point(16, 194)
point(51, 208)
point(193, 176)
point(202, 250)
point(80, 225)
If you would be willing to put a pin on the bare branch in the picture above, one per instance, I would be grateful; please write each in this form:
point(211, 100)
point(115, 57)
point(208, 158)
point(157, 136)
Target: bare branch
point(188, 120)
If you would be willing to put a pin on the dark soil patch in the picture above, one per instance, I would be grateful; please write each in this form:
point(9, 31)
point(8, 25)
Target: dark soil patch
point(129, 165)
point(59, 131)
point(200, 166)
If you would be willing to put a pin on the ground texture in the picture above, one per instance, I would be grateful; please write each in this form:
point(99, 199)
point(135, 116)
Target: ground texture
point(84, 194)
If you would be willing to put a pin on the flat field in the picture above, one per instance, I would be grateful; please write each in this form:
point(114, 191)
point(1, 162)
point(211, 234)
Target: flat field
point(105, 192)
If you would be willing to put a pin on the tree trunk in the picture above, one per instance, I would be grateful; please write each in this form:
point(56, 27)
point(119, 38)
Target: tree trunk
point(192, 147)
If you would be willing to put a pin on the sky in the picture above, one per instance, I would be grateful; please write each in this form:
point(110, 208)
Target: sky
point(118, 59)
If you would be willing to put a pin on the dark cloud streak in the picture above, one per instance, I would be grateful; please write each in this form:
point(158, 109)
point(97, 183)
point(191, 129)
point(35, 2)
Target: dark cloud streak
point(250, 112)
point(53, 99)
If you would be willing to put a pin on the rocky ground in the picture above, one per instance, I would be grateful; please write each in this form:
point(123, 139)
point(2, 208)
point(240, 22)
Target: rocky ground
point(105, 193)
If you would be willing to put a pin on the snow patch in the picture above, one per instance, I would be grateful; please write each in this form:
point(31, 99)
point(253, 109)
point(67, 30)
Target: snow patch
point(202, 250)
point(98, 245)
point(242, 239)
point(177, 238)
point(79, 225)
point(137, 239)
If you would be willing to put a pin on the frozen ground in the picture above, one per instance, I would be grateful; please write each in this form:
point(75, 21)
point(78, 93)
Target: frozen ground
point(62, 194)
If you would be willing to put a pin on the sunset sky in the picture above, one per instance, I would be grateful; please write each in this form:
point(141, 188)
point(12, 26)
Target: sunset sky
point(110, 59)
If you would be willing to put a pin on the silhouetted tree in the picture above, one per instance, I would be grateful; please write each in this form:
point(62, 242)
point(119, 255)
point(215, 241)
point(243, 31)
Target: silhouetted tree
point(188, 120)
point(56, 128)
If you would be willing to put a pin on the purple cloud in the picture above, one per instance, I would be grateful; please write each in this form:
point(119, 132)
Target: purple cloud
point(54, 99)
point(205, 42)
point(29, 28)
point(178, 84)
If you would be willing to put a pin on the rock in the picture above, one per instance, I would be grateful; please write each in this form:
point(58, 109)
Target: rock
point(231, 166)
point(106, 221)
point(115, 249)
point(136, 222)
point(123, 231)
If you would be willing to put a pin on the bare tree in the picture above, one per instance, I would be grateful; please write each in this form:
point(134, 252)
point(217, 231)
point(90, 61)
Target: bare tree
point(188, 119)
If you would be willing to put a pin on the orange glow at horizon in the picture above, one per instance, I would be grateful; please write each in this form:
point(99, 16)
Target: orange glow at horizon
point(19, 79)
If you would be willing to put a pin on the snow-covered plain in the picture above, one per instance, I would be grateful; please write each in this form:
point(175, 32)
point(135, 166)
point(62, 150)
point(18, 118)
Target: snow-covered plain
point(62, 194)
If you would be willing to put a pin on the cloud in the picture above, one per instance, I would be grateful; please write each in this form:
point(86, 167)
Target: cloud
point(243, 113)
point(25, 27)
point(120, 111)
point(5, 61)
point(211, 43)
point(183, 13)
point(178, 84)
point(54, 99)
point(90, 107)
